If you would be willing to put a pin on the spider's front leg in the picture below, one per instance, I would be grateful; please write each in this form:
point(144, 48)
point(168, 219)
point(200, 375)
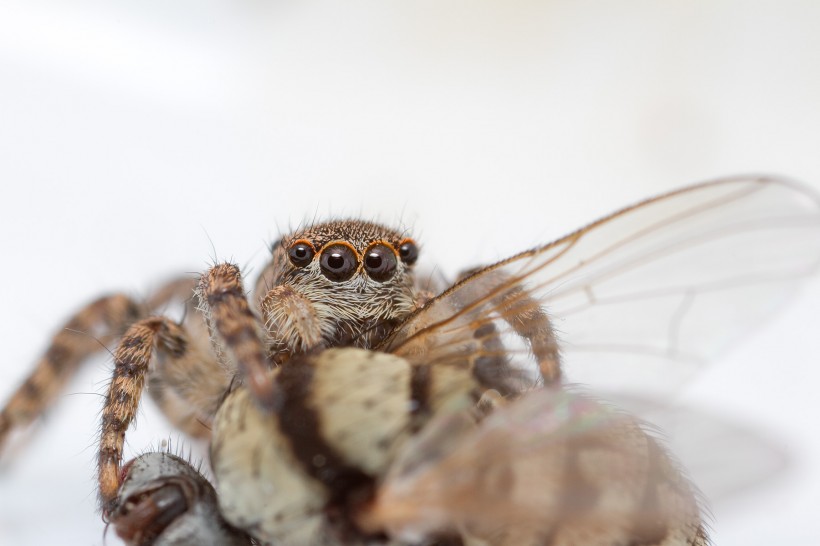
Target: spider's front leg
point(131, 365)
point(291, 322)
point(235, 331)
point(158, 498)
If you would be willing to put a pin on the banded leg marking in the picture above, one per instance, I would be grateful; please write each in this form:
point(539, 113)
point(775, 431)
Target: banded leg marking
point(235, 331)
point(84, 334)
point(131, 360)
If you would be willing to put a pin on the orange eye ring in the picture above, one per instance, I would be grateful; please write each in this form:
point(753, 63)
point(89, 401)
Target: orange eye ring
point(380, 260)
point(301, 252)
point(408, 251)
point(339, 261)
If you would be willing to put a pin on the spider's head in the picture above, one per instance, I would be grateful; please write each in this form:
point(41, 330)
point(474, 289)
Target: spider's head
point(345, 282)
point(163, 501)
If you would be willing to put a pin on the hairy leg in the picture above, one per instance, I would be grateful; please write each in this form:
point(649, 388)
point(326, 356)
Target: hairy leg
point(131, 361)
point(188, 388)
point(530, 321)
point(291, 323)
point(83, 335)
point(236, 332)
point(525, 315)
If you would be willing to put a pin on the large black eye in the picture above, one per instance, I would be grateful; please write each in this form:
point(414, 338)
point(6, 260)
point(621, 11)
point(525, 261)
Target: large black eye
point(408, 251)
point(380, 262)
point(300, 253)
point(338, 262)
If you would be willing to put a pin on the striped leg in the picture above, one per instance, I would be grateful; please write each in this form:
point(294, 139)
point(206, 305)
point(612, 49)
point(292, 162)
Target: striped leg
point(523, 313)
point(84, 334)
point(131, 361)
point(236, 331)
point(529, 320)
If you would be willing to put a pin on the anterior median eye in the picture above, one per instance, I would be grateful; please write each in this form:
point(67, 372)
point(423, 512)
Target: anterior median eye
point(338, 262)
point(301, 253)
point(380, 262)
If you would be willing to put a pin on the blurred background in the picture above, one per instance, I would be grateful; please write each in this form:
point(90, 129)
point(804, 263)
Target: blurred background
point(140, 140)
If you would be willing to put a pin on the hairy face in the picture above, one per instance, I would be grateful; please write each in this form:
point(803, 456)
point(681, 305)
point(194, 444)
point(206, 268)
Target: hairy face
point(345, 282)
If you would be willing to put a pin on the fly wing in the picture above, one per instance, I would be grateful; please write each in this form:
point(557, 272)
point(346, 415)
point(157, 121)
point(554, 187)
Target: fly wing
point(639, 299)
point(550, 464)
point(724, 456)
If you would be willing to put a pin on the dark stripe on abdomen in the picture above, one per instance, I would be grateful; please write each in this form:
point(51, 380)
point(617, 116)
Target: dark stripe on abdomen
point(420, 381)
point(300, 423)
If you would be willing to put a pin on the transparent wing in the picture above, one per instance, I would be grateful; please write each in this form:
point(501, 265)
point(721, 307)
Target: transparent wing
point(639, 299)
point(724, 457)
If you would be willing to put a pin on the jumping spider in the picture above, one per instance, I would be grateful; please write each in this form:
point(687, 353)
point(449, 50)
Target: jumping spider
point(339, 325)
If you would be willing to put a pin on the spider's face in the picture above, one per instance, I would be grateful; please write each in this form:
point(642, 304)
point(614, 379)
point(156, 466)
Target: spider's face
point(355, 278)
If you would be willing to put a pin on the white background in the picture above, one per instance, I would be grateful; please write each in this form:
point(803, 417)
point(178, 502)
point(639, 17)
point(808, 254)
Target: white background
point(138, 140)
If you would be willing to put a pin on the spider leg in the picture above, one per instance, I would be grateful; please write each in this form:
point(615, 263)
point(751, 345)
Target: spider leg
point(188, 388)
point(84, 334)
point(291, 323)
point(131, 363)
point(526, 316)
point(529, 320)
point(236, 333)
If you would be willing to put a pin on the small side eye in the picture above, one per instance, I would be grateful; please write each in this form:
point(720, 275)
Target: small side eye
point(301, 253)
point(408, 251)
point(338, 262)
point(380, 262)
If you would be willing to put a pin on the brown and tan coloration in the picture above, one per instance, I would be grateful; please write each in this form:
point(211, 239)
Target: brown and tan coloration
point(242, 341)
point(344, 416)
point(83, 335)
point(234, 328)
point(131, 362)
point(411, 442)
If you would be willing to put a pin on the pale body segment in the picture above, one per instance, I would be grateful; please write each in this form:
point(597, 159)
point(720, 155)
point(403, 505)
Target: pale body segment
point(664, 269)
point(340, 464)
